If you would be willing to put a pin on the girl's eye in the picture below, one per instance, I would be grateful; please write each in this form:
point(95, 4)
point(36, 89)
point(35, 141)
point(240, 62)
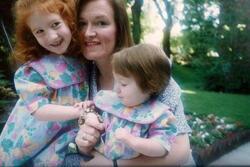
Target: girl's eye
point(55, 24)
point(123, 84)
point(37, 32)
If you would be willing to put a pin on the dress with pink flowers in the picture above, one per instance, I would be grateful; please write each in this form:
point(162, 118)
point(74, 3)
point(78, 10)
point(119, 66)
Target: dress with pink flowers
point(50, 80)
point(148, 120)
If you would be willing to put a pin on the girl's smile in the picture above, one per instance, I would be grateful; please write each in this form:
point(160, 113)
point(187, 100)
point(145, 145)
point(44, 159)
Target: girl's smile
point(50, 31)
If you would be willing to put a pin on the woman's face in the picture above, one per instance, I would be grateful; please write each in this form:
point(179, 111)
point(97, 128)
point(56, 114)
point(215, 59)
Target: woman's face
point(98, 30)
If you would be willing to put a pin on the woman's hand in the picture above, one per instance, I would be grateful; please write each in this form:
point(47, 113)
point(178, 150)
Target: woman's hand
point(89, 133)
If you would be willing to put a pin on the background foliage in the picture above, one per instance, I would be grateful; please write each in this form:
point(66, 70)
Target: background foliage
point(216, 45)
point(214, 40)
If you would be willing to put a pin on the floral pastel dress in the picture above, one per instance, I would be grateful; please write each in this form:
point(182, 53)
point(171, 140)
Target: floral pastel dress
point(50, 80)
point(148, 120)
point(171, 96)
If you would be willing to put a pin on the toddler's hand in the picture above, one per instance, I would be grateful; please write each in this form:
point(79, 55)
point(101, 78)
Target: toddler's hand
point(91, 117)
point(122, 134)
point(171, 119)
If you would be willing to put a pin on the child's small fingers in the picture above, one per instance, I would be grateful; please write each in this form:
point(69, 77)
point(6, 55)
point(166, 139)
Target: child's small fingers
point(82, 105)
point(85, 105)
point(93, 122)
point(76, 105)
point(89, 103)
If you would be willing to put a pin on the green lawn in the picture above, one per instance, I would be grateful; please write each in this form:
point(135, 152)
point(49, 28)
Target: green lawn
point(195, 99)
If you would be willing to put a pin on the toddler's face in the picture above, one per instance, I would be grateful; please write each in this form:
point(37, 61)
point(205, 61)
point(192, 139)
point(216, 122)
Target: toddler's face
point(128, 91)
point(50, 31)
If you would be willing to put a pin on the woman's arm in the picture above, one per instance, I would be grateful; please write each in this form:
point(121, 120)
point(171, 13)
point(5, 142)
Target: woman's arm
point(178, 155)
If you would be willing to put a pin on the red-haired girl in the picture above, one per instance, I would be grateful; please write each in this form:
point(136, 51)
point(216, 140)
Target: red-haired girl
point(50, 80)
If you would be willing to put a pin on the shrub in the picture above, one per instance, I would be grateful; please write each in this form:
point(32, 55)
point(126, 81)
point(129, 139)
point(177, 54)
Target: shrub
point(206, 129)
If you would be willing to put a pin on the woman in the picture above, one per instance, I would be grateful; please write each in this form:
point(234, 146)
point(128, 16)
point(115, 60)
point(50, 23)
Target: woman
point(104, 29)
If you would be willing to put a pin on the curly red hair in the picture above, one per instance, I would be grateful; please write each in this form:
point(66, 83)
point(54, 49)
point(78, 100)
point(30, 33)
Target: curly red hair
point(27, 47)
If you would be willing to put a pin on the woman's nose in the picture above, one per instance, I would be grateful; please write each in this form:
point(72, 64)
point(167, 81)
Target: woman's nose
point(90, 31)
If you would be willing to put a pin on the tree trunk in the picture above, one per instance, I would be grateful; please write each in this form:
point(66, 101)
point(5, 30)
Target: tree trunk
point(167, 30)
point(168, 25)
point(136, 14)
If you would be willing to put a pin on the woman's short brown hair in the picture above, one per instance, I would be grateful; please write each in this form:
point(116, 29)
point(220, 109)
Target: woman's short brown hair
point(123, 33)
point(27, 48)
point(146, 63)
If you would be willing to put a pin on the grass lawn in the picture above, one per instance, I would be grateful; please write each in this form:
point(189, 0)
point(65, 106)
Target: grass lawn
point(195, 99)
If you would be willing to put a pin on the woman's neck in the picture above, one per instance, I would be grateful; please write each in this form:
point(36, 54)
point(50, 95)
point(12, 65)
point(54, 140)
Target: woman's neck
point(105, 79)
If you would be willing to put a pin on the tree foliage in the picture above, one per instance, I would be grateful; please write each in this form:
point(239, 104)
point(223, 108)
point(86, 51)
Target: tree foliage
point(230, 70)
point(199, 33)
point(216, 45)
point(5, 50)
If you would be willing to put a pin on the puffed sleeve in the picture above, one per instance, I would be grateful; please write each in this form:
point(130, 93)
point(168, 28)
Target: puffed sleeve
point(171, 96)
point(31, 88)
point(162, 133)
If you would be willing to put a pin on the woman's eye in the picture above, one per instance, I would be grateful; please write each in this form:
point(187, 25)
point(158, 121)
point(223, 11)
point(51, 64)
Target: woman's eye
point(101, 23)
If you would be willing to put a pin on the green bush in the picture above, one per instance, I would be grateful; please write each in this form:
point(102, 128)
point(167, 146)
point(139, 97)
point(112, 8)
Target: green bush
point(7, 93)
point(229, 76)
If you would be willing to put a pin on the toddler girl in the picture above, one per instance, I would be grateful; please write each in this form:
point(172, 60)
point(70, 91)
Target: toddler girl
point(135, 121)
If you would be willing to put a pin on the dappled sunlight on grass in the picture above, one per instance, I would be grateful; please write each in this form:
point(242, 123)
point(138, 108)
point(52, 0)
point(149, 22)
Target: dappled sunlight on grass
point(195, 99)
point(188, 91)
point(221, 104)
